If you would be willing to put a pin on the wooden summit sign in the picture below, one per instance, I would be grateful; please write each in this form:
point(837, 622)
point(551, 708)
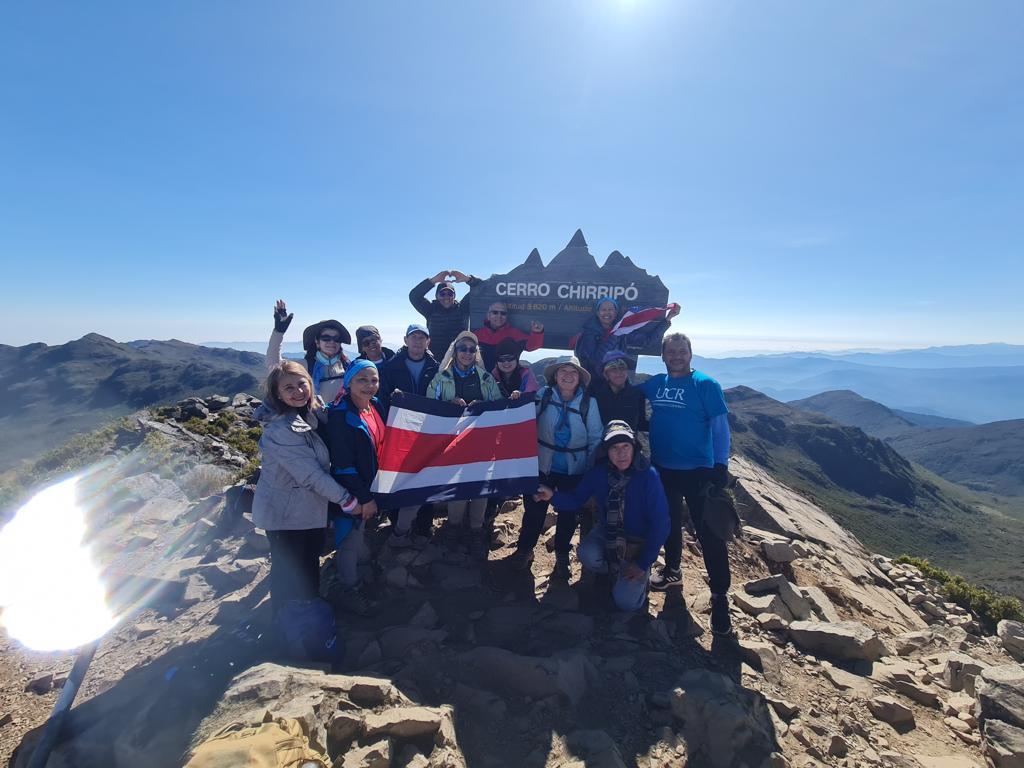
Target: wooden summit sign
point(562, 294)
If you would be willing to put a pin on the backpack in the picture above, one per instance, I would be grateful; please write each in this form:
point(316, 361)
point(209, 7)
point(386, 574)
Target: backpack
point(307, 631)
point(545, 401)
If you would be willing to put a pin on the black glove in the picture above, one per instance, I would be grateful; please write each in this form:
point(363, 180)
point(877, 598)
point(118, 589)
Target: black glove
point(720, 476)
point(282, 321)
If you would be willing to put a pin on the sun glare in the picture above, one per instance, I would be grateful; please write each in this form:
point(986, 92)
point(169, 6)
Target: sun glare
point(50, 590)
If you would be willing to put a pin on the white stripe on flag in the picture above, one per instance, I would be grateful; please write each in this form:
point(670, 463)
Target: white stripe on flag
point(393, 482)
point(415, 421)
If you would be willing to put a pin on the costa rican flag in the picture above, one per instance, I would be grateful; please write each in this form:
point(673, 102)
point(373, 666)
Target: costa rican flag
point(636, 318)
point(435, 451)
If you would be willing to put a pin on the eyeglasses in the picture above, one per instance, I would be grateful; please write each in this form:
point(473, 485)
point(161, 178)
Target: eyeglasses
point(507, 359)
point(467, 350)
point(498, 312)
point(331, 339)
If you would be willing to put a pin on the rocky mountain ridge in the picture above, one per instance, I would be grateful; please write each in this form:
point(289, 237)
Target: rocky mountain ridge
point(987, 458)
point(55, 392)
point(844, 658)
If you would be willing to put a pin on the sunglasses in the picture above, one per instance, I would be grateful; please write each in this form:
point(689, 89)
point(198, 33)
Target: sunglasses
point(507, 359)
point(447, 293)
point(468, 350)
point(498, 312)
point(331, 339)
point(369, 342)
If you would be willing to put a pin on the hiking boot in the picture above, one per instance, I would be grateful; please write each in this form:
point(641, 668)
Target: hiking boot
point(721, 624)
point(665, 577)
point(479, 546)
point(521, 559)
point(561, 571)
point(352, 601)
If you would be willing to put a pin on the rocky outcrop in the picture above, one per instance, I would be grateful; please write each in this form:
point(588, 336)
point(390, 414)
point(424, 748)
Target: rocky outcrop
point(475, 663)
point(1000, 712)
point(849, 640)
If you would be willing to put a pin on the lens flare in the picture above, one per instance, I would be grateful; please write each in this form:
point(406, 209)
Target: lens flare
point(51, 594)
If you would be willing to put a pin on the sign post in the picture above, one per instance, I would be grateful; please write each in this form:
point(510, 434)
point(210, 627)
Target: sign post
point(562, 294)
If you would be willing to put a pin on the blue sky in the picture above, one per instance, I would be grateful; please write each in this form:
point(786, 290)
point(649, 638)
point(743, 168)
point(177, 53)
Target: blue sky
point(802, 175)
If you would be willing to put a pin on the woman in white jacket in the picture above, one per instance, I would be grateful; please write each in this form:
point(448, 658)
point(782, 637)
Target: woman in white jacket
point(295, 485)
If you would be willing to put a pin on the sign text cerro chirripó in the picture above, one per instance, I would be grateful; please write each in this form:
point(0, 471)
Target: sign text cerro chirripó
point(562, 294)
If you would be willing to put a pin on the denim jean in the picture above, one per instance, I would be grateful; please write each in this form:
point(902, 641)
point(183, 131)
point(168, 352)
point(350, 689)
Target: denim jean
point(346, 550)
point(628, 595)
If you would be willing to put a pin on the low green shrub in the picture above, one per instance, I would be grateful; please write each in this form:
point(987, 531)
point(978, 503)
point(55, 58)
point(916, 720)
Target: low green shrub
point(990, 607)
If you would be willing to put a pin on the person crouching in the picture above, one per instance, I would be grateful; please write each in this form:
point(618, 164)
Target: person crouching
point(632, 515)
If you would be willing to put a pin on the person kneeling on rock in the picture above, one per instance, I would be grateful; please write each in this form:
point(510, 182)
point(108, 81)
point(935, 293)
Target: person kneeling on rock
point(632, 515)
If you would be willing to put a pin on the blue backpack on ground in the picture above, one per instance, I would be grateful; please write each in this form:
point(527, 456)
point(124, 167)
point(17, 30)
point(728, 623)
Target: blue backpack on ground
point(307, 631)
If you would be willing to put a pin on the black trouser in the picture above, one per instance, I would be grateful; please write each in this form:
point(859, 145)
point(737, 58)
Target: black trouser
point(687, 485)
point(534, 513)
point(294, 565)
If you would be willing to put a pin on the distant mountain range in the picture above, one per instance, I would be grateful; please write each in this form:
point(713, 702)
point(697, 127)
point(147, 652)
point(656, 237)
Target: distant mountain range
point(54, 392)
point(892, 505)
point(977, 383)
point(983, 457)
point(974, 383)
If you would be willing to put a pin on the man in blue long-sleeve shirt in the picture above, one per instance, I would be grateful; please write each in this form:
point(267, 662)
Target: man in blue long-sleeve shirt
point(690, 447)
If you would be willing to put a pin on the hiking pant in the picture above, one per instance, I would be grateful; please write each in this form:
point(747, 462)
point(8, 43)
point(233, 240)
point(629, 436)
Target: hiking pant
point(294, 565)
point(419, 520)
point(592, 553)
point(686, 486)
point(477, 510)
point(348, 541)
point(535, 511)
point(404, 519)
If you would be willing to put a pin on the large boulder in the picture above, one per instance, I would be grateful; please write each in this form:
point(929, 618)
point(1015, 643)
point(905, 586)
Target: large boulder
point(725, 724)
point(1000, 692)
point(898, 675)
point(1004, 744)
point(503, 671)
point(1000, 711)
point(938, 637)
point(1011, 635)
point(849, 640)
point(960, 671)
point(889, 710)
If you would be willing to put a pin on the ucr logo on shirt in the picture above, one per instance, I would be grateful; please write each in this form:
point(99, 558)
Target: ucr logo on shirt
point(673, 394)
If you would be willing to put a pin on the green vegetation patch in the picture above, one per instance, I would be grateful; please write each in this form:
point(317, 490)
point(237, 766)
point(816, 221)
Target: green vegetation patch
point(989, 606)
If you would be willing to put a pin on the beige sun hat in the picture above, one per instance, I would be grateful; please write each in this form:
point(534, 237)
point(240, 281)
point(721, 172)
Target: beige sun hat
point(549, 372)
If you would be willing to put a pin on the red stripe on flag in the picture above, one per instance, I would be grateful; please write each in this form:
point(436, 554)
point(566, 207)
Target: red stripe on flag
point(407, 451)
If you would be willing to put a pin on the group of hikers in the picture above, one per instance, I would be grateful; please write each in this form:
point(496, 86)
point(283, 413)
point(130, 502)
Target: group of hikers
point(325, 419)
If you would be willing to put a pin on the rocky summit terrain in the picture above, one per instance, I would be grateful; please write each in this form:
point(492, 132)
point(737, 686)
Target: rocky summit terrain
point(843, 657)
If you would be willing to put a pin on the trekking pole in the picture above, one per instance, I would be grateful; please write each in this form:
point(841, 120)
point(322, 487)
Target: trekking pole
point(51, 731)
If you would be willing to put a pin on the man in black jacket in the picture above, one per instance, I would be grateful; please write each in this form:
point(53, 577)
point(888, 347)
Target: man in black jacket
point(411, 370)
point(446, 317)
point(617, 399)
